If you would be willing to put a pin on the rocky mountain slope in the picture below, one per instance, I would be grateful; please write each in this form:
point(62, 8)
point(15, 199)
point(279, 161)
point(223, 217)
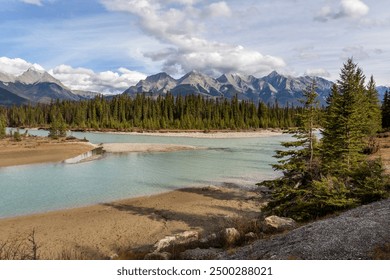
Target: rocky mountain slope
point(269, 89)
point(33, 86)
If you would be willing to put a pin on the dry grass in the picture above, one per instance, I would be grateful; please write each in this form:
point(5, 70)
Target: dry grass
point(20, 247)
point(381, 252)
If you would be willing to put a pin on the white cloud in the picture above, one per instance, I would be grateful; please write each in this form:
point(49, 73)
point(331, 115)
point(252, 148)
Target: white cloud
point(107, 82)
point(220, 9)
point(318, 72)
point(33, 2)
point(16, 66)
point(357, 52)
point(180, 28)
point(354, 9)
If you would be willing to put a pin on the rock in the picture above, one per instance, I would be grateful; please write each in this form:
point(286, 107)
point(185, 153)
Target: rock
point(231, 236)
point(200, 254)
point(275, 224)
point(354, 234)
point(209, 240)
point(182, 239)
point(158, 256)
point(250, 236)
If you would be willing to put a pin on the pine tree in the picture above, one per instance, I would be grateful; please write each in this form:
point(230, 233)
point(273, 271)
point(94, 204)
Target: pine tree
point(346, 121)
point(301, 193)
point(3, 125)
point(386, 111)
point(373, 111)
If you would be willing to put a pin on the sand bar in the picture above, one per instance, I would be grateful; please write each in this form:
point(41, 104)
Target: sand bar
point(33, 150)
point(99, 231)
point(211, 135)
point(144, 147)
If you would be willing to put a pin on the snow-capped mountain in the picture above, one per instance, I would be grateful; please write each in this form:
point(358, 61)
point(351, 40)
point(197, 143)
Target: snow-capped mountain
point(160, 83)
point(269, 89)
point(34, 86)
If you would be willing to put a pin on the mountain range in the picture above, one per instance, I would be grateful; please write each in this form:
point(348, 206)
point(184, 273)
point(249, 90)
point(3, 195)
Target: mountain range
point(35, 86)
point(269, 89)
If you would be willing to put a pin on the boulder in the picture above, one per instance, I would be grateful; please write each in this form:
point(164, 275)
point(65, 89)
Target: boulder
point(183, 239)
point(250, 236)
point(275, 224)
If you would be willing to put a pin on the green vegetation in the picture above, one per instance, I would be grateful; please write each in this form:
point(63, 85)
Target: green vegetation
point(334, 174)
point(386, 111)
point(3, 125)
point(142, 112)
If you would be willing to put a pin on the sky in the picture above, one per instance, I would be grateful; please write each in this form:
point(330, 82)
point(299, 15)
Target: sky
point(109, 45)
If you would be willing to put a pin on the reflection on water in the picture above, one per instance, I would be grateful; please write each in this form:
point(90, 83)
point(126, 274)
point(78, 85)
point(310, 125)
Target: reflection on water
point(44, 187)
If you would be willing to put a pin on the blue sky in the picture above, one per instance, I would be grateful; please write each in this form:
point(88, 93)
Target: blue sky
point(108, 45)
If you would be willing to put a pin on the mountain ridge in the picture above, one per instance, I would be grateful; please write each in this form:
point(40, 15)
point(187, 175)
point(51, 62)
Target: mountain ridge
point(38, 86)
point(269, 89)
point(33, 86)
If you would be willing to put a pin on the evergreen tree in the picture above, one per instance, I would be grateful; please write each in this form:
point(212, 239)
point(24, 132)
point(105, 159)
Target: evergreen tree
point(386, 111)
point(346, 121)
point(301, 193)
point(3, 125)
point(373, 109)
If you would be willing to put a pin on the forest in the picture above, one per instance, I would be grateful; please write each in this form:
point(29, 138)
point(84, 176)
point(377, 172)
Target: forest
point(124, 113)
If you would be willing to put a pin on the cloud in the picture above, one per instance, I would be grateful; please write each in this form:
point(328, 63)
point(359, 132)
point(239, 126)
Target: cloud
point(220, 9)
point(357, 52)
point(33, 2)
point(317, 72)
point(107, 82)
point(354, 9)
point(180, 28)
point(16, 66)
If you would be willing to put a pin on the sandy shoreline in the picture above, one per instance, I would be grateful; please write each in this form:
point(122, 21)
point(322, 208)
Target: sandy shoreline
point(99, 231)
point(41, 150)
point(209, 135)
point(33, 150)
point(144, 147)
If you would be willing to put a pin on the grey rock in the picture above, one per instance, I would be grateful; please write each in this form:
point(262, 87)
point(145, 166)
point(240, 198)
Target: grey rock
point(275, 224)
point(158, 256)
point(182, 239)
point(201, 254)
point(353, 234)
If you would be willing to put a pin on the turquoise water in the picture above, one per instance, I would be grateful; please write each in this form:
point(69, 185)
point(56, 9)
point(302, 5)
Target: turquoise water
point(44, 187)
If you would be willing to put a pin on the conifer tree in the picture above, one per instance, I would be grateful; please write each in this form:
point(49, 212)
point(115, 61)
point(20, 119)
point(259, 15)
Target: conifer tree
point(302, 193)
point(386, 111)
point(373, 111)
point(346, 121)
point(3, 125)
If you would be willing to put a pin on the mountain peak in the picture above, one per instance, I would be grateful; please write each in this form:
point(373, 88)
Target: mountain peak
point(34, 76)
point(158, 77)
point(273, 74)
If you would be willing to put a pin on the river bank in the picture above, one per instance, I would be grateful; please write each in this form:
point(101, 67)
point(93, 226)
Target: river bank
point(33, 150)
point(101, 231)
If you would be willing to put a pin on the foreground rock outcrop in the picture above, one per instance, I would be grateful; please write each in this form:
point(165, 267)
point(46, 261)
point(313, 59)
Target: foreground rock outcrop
point(352, 235)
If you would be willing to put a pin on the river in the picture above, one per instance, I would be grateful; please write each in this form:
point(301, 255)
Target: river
point(39, 188)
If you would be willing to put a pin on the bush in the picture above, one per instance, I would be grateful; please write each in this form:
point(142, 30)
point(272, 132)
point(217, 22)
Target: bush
point(369, 182)
point(17, 136)
point(311, 201)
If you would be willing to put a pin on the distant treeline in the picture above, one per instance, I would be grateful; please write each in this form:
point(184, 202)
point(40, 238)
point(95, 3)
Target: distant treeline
point(123, 112)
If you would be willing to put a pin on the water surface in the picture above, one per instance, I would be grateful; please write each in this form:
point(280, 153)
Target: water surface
point(44, 187)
